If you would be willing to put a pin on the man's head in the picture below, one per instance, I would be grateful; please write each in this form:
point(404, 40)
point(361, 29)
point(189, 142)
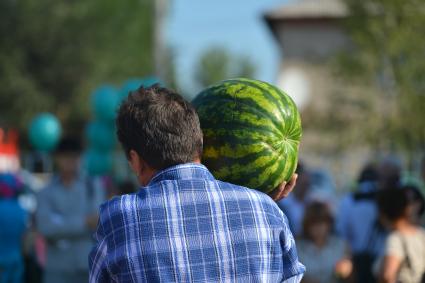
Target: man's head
point(67, 156)
point(158, 129)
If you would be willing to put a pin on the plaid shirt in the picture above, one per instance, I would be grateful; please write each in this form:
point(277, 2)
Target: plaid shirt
point(185, 226)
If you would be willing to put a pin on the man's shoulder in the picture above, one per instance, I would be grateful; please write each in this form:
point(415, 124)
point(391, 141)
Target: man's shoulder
point(242, 191)
point(112, 213)
point(259, 200)
point(118, 204)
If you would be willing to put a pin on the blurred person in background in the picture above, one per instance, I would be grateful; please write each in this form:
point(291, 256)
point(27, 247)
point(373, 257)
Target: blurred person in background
point(416, 204)
point(403, 257)
point(13, 224)
point(294, 205)
point(67, 216)
point(325, 256)
point(358, 221)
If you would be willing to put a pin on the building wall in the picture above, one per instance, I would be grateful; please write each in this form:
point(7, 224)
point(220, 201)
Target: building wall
point(310, 40)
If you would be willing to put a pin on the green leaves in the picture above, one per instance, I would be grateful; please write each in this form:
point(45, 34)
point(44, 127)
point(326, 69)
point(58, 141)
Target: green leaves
point(390, 49)
point(54, 53)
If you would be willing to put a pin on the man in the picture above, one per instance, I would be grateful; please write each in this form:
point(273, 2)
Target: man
point(183, 225)
point(67, 216)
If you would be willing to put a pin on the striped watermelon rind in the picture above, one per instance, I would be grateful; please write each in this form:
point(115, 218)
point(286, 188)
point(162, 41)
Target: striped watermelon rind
point(252, 132)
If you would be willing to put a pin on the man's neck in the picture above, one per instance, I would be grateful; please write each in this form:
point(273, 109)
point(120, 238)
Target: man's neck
point(149, 173)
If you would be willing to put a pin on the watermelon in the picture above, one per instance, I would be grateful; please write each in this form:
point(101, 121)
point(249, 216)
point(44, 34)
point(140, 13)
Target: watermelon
point(252, 132)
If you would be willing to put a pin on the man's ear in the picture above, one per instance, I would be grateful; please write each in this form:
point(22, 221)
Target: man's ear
point(135, 162)
point(142, 170)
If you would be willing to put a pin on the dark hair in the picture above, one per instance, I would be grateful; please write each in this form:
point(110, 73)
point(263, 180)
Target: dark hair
point(369, 173)
point(415, 195)
point(160, 126)
point(392, 203)
point(316, 212)
point(71, 145)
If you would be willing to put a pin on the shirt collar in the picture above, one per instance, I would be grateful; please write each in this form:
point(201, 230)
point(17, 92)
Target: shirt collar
point(182, 172)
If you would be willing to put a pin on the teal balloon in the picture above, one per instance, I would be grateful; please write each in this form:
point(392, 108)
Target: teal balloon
point(44, 132)
point(105, 101)
point(101, 135)
point(97, 162)
point(134, 84)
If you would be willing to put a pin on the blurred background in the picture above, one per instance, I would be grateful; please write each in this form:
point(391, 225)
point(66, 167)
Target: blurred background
point(356, 70)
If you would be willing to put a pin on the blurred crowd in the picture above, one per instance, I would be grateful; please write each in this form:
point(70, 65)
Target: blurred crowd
point(50, 241)
point(374, 233)
point(371, 234)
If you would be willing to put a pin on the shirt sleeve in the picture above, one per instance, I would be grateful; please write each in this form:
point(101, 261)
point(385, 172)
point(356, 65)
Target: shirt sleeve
point(394, 246)
point(98, 265)
point(52, 225)
point(293, 269)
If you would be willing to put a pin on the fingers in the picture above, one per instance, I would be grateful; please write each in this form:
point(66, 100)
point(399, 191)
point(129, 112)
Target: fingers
point(293, 180)
point(284, 189)
point(276, 193)
point(281, 192)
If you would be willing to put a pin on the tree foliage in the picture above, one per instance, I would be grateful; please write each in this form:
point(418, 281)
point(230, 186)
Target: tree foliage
point(390, 52)
point(53, 53)
point(217, 64)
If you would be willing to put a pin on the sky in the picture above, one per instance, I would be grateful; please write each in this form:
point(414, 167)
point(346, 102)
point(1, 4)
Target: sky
point(192, 26)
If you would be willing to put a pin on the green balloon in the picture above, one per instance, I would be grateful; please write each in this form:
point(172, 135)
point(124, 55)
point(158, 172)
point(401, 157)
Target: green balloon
point(105, 101)
point(101, 135)
point(44, 132)
point(97, 163)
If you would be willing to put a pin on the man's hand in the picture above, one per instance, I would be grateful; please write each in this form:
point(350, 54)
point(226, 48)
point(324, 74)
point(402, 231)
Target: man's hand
point(283, 190)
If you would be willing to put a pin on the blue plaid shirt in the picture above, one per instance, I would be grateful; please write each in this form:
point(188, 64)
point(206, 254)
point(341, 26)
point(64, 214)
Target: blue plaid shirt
point(185, 226)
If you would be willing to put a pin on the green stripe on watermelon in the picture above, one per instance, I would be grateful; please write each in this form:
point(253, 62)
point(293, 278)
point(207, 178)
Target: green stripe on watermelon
point(244, 175)
point(284, 100)
point(250, 94)
point(222, 101)
point(279, 98)
point(239, 114)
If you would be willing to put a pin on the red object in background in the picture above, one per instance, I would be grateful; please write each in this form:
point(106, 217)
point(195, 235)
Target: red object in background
point(40, 250)
point(9, 151)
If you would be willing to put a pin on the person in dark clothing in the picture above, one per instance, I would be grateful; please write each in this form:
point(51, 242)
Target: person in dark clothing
point(358, 220)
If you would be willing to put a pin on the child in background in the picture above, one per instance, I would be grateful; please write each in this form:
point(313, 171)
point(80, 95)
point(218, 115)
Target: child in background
point(324, 255)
